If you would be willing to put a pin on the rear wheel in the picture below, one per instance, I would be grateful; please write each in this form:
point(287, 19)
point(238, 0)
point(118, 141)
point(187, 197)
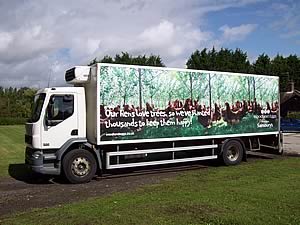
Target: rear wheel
point(79, 166)
point(232, 153)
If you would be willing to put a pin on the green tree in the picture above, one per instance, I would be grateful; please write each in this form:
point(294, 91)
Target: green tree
point(222, 60)
point(126, 58)
point(15, 103)
point(262, 65)
point(293, 69)
point(199, 60)
point(279, 68)
point(240, 62)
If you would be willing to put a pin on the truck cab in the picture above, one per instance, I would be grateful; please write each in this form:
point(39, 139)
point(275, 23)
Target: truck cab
point(58, 118)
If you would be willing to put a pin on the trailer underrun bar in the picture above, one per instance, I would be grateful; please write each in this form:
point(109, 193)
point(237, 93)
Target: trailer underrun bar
point(159, 162)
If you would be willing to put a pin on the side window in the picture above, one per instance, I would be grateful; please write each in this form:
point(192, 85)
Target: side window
point(60, 107)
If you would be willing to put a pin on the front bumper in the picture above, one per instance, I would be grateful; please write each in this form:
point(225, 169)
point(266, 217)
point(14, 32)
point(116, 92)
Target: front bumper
point(41, 161)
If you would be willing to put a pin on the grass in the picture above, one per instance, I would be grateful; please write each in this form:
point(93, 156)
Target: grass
point(12, 147)
point(261, 192)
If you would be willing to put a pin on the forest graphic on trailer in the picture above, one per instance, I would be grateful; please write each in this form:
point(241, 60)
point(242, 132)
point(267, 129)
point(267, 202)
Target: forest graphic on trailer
point(143, 103)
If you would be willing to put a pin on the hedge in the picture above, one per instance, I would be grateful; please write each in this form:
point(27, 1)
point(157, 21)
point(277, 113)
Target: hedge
point(12, 120)
point(294, 115)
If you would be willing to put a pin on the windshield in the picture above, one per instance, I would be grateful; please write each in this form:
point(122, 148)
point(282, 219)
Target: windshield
point(37, 107)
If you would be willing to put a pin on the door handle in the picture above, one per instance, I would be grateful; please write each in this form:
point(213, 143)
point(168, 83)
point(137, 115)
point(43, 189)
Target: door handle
point(74, 132)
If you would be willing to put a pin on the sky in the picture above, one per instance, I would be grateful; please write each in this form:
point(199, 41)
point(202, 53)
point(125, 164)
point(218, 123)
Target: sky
point(40, 40)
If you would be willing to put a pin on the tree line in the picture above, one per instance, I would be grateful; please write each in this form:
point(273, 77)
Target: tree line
point(287, 68)
point(16, 103)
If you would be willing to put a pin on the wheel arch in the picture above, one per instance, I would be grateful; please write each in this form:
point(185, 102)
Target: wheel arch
point(81, 143)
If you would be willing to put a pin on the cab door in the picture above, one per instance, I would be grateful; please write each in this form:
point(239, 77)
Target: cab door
point(60, 123)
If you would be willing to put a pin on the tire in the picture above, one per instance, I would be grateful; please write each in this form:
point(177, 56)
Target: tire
point(232, 153)
point(79, 166)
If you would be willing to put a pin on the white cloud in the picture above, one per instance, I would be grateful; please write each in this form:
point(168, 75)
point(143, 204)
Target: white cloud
point(24, 44)
point(280, 6)
point(38, 38)
point(158, 36)
point(287, 18)
point(171, 41)
point(237, 33)
point(5, 40)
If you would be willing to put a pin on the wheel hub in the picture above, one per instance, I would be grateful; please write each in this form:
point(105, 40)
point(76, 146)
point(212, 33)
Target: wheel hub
point(80, 166)
point(232, 154)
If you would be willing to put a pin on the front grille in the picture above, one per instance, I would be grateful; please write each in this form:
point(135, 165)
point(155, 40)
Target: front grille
point(28, 139)
point(50, 151)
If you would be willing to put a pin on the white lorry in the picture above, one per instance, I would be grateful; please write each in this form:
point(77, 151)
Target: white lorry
point(121, 116)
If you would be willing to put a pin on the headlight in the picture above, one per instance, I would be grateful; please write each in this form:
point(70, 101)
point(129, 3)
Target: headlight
point(36, 155)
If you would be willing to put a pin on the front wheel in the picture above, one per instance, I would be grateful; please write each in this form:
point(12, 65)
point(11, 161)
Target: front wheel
point(232, 153)
point(79, 166)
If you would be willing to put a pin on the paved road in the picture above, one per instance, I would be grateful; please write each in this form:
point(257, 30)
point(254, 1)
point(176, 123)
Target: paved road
point(291, 143)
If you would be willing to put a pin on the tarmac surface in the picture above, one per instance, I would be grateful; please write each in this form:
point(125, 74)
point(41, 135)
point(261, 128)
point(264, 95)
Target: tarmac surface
point(291, 144)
